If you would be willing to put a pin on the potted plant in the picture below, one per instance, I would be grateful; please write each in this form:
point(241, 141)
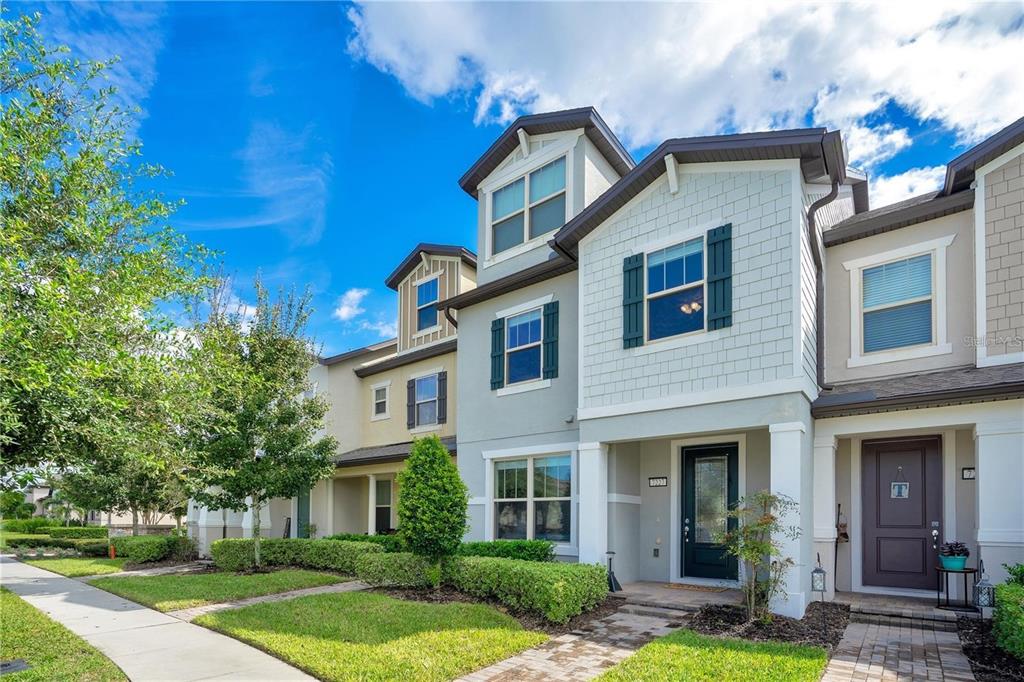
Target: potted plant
point(953, 556)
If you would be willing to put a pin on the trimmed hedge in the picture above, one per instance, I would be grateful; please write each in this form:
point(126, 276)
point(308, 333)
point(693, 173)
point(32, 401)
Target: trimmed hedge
point(398, 569)
point(34, 525)
point(92, 547)
point(558, 591)
point(1008, 620)
point(142, 549)
point(40, 541)
point(390, 543)
point(527, 550)
point(238, 554)
point(70, 532)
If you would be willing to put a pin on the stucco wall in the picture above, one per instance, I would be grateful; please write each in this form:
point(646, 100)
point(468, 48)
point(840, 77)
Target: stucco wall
point(394, 429)
point(1004, 269)
point(759, 346)
point(959, 297)
point(348, 411)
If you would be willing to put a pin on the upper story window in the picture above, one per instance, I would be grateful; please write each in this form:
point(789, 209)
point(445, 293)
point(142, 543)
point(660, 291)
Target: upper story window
point(426, 400)
point(528, 207)
point(896, 304)
point(426, 304)
point(675, 290)
point(380, 402)
point(523, 340)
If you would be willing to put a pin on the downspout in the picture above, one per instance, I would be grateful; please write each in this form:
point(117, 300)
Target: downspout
point(562, 251)
point(819, 284)
point(448, 316)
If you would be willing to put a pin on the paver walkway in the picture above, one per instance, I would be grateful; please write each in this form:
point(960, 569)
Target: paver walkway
point(581, 654)
point(873, 652)
point(196, 611)
point(193, 567)
point(145, 644)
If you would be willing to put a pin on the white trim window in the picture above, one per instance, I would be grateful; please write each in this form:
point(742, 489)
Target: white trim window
point(426, 304)
point(426, 400)
point(897, 306)
point(533, 498)
point(382, 511)
point(381, 401)
point(528, 207)
point(523, 336)
point(674, 291)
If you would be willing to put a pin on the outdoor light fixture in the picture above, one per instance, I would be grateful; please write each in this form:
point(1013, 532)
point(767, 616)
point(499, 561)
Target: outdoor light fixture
point(818, 579)
point(984, 591)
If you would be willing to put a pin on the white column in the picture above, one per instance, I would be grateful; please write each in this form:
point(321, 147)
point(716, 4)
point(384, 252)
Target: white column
point(791, 475)
point(371, 510)
point(327, 527)
point(265, 522)
point(825, 507)
point(593, 522)
point(1000, 475)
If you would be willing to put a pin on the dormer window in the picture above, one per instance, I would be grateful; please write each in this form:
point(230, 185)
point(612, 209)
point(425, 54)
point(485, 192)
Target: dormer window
point(426, 305)
point(529, 207)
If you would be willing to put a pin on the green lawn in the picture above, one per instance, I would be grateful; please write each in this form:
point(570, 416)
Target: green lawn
point(364, 636)
point(76, 567)
point(172, 592)
point(686, 655)
point(53, 651)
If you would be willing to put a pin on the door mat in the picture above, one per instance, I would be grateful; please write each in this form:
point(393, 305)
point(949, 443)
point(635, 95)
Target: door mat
point(695, 588)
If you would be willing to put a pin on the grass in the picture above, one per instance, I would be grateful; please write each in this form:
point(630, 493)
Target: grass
point(53, 651)
point(364, 636)
point(686, 655)
point(173, 592)
point(76, 567)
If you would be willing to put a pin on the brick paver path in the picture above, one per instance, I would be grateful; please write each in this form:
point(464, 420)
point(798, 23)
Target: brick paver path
point(871, 652)
point(196, 611)
point(581, 654)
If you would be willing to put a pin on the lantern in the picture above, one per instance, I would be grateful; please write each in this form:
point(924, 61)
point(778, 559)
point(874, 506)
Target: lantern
point(984, 592)
point(818, 579)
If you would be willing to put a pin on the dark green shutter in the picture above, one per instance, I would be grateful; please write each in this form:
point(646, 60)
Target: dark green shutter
point(410, 403)
point(302, 514)
point(442, 397)
point(633, 301)
point(719, 277)
point(497, 354)
point(550, 344)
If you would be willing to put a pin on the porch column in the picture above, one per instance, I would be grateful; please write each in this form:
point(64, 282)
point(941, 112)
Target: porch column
point(371, 509)
point(593, 486)
point(1000, 469)
point(825, 507)
point(328, 524)
point(792, 476)
point(247, 519)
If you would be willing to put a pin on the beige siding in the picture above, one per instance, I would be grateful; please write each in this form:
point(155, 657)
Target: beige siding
point(448, 271)
point(1004, 270)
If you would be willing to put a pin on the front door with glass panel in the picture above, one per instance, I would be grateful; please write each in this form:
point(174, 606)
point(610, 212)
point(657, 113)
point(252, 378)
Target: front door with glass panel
point(382, 520)
point(710, 489)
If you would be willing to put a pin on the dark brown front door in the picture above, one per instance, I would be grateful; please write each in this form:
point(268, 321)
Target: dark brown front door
point(902, 487)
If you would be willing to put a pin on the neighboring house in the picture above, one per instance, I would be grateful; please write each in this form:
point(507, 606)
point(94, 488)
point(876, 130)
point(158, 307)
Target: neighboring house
point(645, 347)
point(40, 497)
point(381, 398)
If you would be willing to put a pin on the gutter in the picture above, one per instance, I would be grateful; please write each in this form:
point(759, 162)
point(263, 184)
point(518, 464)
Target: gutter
point(836, 172)
point(448, 316)
point(562, 251)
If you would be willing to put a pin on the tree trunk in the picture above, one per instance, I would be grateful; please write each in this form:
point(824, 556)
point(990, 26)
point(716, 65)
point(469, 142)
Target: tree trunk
point(135, 521)
point(256, 530)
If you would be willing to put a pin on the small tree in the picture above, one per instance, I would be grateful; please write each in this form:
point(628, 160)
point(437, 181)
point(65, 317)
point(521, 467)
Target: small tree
point(432, 505)
point(753, 538)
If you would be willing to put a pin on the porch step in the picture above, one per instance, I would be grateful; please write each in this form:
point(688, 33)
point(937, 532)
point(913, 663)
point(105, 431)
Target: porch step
point(921, 617)
point(668, 613)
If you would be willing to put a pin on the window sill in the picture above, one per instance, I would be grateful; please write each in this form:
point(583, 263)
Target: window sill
point(518, 249)
point(524, 387)
point(380, 417)
point(673, 342)
point(915, 353)
point(425, 428)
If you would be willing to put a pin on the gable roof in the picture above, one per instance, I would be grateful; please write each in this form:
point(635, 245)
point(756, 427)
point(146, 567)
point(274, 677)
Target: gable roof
point(413, 259)
point(551, 122)
point(901, 214)
point(820, 153)
point(960, 171)
point(357, 352)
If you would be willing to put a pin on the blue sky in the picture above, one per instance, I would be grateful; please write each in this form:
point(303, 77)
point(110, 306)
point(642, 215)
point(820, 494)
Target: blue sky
point(317, 143)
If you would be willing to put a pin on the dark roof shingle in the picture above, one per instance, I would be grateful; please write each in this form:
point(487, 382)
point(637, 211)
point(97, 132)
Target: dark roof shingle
point(394, 452)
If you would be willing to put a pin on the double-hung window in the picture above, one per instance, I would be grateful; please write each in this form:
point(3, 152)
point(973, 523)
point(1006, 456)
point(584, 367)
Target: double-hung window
point(675, 290)
point(523, 347)
point(426, 400)
point(897, 304)
point(426, 305)
point(533, 499)
point(528, 207)
point(380, 402)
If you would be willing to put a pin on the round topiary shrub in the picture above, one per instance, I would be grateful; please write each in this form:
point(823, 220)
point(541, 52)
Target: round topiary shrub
point(432, 505)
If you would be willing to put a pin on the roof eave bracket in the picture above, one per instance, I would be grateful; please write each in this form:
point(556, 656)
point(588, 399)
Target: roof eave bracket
point(672, 170)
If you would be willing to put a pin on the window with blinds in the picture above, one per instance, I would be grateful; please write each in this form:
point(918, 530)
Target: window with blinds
point(897, 304)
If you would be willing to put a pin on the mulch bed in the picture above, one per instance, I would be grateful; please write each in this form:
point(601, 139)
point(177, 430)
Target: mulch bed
point(988, 661)
point(529, 621)
point(822, 625)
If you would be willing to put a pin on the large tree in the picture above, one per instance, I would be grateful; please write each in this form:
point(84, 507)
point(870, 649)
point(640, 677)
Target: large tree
point(261, 437)
point(90, 274)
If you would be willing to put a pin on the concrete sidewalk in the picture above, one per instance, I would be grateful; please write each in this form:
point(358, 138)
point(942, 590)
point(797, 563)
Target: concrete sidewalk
point(145, 644)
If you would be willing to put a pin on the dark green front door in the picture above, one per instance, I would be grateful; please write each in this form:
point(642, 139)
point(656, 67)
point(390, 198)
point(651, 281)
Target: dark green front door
point(302, 527)
point(710, 485)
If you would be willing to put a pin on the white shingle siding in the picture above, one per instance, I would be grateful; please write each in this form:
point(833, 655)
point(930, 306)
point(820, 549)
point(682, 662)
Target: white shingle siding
point(759, 345)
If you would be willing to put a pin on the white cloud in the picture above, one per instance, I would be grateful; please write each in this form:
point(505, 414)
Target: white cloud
point(888, 190)
point(349, 306)
point(385, 329)
point(691, 69)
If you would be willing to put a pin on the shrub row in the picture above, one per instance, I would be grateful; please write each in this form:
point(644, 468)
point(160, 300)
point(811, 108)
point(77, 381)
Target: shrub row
point(85, 546)
point(236, 554)
point(390, 543)
point(142, 549)
point(398, 569)
point(33, 525)
point(527, 550)
point(92, 532)
point(1008, 621)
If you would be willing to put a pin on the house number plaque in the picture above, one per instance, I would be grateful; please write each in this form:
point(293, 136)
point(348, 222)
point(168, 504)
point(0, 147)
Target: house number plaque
point(658, 481)
point(899, 490)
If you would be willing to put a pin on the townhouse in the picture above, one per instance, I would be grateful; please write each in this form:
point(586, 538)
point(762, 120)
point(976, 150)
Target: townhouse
point(650, 342)
point(381, 397)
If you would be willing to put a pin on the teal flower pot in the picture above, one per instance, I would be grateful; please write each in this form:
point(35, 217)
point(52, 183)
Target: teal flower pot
point(953, 563)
